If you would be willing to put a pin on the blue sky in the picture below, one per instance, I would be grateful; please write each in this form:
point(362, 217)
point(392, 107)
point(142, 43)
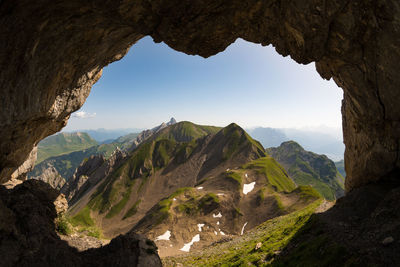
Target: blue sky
point(247, 84)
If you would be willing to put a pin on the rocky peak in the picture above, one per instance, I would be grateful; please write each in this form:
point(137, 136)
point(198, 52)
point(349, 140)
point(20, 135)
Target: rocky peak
point(172, 121)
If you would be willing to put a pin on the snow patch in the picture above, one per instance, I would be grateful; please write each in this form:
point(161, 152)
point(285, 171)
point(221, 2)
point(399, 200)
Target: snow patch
point(174, 199)
point(222, 233)
point(219, 215)
point(164, 236)
point(247, 188)
point(200, 225)
point(243, 228)
point(228, 170)
point(218, 223)
point(220, 194)
point(245, 175)
point(187, 246)
point(215, 232)
point(199, 188)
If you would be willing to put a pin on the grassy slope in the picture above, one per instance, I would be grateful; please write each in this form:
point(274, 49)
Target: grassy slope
point(307, 168)
point(275, 174)
point(273, 235)
point(63, 143)
point(340, 167)
point(176, 141)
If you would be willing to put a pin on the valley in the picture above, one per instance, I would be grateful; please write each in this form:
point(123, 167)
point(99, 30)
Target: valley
point(186, 186)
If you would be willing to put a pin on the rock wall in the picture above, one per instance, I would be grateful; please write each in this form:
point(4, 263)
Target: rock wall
point(28, 236)
point(54, 51)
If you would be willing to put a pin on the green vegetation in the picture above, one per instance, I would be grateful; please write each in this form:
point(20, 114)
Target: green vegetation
point(236, 138)
point(83, 218)
point(278, 202)
point(63, 226)
point(235, 177)
point(307, 192)
point(132, 210)
point(340, 167)
point(274, 235)
point(116, 209)
point(84, 222)
point(186, 131)
point(308, 168)
point(63, 143)
point(276, 175)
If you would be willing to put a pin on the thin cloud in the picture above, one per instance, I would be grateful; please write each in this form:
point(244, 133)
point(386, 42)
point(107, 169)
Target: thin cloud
point(83, 115)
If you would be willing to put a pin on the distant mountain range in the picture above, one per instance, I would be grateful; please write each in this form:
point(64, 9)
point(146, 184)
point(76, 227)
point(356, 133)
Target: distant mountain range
point(322, 143)
point(108, 135)
point(63, 143)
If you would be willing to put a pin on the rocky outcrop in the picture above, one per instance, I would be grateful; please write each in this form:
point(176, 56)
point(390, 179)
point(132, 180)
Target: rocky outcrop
point(147, 133)
point(59, 53)
point(28, 237)
point(90, 173)
point(51, 176)
point(81, 175)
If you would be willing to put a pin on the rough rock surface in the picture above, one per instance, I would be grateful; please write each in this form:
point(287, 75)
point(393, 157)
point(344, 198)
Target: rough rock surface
point(61, 47)
point(51, 176)
point(28, 237)
point(90, 173)
point(81, 175)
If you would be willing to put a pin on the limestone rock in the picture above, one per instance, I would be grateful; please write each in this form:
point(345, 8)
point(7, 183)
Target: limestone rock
point(51, 176)
point(28, 237)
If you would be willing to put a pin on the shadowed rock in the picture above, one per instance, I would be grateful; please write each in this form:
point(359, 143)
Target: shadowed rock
point(28, 237)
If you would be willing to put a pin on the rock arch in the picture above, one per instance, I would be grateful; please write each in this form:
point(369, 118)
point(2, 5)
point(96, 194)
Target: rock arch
point(52, 52)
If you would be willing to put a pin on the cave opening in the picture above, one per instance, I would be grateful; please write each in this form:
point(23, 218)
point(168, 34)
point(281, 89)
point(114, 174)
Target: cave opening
point(50, 66)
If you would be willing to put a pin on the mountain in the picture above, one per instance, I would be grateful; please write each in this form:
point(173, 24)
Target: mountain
point(308, 168)
point(186, 184)
point(268, 137)
point(109, 135)
point(59, 168)
point(65, 165)
point(63, 143)
point(340, 167)
point(329, 144)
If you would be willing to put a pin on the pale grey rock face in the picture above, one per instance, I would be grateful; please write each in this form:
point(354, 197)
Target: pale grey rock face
point(51, 176)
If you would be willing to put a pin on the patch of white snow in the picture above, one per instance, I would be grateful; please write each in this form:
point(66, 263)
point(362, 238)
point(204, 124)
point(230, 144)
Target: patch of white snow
point(245, 175)
point(187, 246)
point(218, 223)
point(219, 215)
point(200, 225)
point(215, 232)
point(164, 236)
point(247, 188)
point(243, 228)
point(199, 188)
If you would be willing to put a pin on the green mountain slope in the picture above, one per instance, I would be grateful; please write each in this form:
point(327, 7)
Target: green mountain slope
point(271, 236)
point(340, 167)
point(186, 175)
point(308, 168)
point(63, 143)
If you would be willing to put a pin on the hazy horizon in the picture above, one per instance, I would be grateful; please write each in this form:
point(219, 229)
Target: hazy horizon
point(248, 84)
